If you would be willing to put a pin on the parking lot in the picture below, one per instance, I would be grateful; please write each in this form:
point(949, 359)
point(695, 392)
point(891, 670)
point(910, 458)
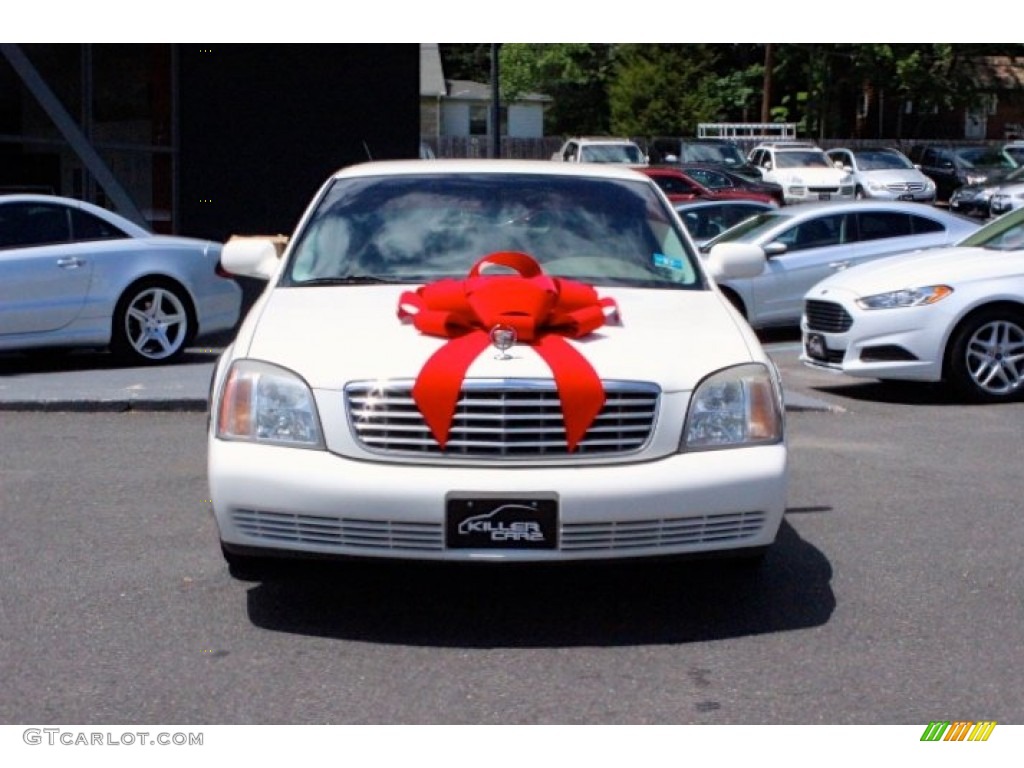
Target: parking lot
point(892, 594)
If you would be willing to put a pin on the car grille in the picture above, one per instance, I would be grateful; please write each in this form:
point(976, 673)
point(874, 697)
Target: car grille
point(909, 186)
point(338, 531)
point(831, 190)
point(827, 317)
point(500, 419)
point(642, 534)
point(354, 534)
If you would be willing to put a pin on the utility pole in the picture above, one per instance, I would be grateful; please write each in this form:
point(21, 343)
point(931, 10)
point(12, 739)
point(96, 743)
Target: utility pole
point(495, 103)
point(766, 96)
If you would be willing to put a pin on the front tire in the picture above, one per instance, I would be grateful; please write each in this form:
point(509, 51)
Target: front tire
point(985, 362)
point(153, 323)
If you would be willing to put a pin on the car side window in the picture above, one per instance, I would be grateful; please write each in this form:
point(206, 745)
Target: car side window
point(675, 185)
point(814, 233)
point(876, 225)
point(570, 151)
point(923, 225)
point(710, 179)
point(85, 226)
point(28, 224)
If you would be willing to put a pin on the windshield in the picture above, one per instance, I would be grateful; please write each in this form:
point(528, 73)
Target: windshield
point(1003, 234)
point(984, 157)
point(882, 160)
point(419, 228)
point(751, 229)
point(612, 153)
point(724, 154)
point(810, 158)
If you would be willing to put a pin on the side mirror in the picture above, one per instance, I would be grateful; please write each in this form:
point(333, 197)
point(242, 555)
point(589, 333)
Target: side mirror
point(735, 261)
point(775, 248)
point(257, 257)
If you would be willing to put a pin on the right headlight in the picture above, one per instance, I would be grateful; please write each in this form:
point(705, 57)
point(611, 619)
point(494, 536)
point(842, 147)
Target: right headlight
point(907, 297)
point(263, 403)
point(735, 407)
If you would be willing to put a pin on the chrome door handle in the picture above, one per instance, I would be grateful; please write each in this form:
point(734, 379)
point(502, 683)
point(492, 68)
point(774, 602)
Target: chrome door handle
point(839, 264)
point(70, 262)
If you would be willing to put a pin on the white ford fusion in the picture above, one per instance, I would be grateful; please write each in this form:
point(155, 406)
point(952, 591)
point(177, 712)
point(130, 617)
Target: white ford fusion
point(493, 360)
point(953, 314)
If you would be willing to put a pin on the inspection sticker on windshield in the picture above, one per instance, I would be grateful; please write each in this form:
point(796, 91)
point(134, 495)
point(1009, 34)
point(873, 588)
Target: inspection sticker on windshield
point(661, 260)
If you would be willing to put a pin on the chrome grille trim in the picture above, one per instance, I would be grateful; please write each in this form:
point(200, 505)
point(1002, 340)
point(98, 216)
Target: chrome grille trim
point(827, 316)
point(355, 534)
point(909, 186)
point(506, 419)
point(339, 531)
point(664, 532)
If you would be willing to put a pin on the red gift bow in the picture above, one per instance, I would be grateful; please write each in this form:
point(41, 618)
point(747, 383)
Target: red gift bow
point(542, 310)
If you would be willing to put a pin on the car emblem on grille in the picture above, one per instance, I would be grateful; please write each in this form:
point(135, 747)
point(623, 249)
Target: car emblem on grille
point(503, 338)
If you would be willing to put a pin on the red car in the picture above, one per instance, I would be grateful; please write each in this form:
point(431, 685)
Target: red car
point(680, 187)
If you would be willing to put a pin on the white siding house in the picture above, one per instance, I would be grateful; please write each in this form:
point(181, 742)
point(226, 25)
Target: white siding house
point(461, 108)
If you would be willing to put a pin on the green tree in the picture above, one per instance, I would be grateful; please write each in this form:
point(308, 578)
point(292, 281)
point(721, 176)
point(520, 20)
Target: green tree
point(574, 75)
point(662, 89)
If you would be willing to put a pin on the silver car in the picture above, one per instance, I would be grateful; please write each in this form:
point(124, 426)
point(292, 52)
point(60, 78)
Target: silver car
point(884, 174)
point(806, 243)
point(1006, 195)
point(73, 274)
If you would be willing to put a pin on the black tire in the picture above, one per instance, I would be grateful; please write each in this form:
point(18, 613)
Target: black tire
point(985, 357)
point(858, 194)
point(153, 323)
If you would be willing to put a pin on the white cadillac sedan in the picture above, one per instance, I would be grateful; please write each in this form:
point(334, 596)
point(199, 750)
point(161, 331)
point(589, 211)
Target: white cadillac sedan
point(493, 361)
point(951, 314)
point(73, 274)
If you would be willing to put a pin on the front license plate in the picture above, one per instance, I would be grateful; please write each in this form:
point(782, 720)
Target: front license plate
point(824, 195)
point(905, 197)
point(483, 522)
point(815, 346)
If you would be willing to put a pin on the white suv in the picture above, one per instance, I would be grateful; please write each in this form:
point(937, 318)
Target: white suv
point(804, 171)
point(601, 150)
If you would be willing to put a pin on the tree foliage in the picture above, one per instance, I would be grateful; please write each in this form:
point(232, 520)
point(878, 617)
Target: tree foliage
point(828, 89)
point(575, 75)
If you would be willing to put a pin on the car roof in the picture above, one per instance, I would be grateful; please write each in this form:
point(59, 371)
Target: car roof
point(497, 167)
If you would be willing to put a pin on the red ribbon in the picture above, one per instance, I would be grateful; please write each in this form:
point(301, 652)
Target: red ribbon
point(543, 310)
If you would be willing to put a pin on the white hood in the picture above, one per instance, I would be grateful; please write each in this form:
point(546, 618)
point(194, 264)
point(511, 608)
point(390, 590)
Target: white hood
point(333, 335)
point(938, 266)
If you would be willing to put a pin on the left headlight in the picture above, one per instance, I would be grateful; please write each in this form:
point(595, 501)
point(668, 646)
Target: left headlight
point(263, 403)
point(735, 407)
point(907, 297)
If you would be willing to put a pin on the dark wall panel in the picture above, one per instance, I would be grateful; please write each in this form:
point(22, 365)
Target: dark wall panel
point(263, 126)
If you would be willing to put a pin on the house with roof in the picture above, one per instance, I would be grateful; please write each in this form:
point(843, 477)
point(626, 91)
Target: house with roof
point(460, 110)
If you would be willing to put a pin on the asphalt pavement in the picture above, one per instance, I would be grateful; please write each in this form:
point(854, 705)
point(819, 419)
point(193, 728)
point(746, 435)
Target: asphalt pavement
point(95, 381)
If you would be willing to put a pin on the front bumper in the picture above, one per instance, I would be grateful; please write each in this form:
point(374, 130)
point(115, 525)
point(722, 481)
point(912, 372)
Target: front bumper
point(319, 503)
point(803, 194)
point(903, 344)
